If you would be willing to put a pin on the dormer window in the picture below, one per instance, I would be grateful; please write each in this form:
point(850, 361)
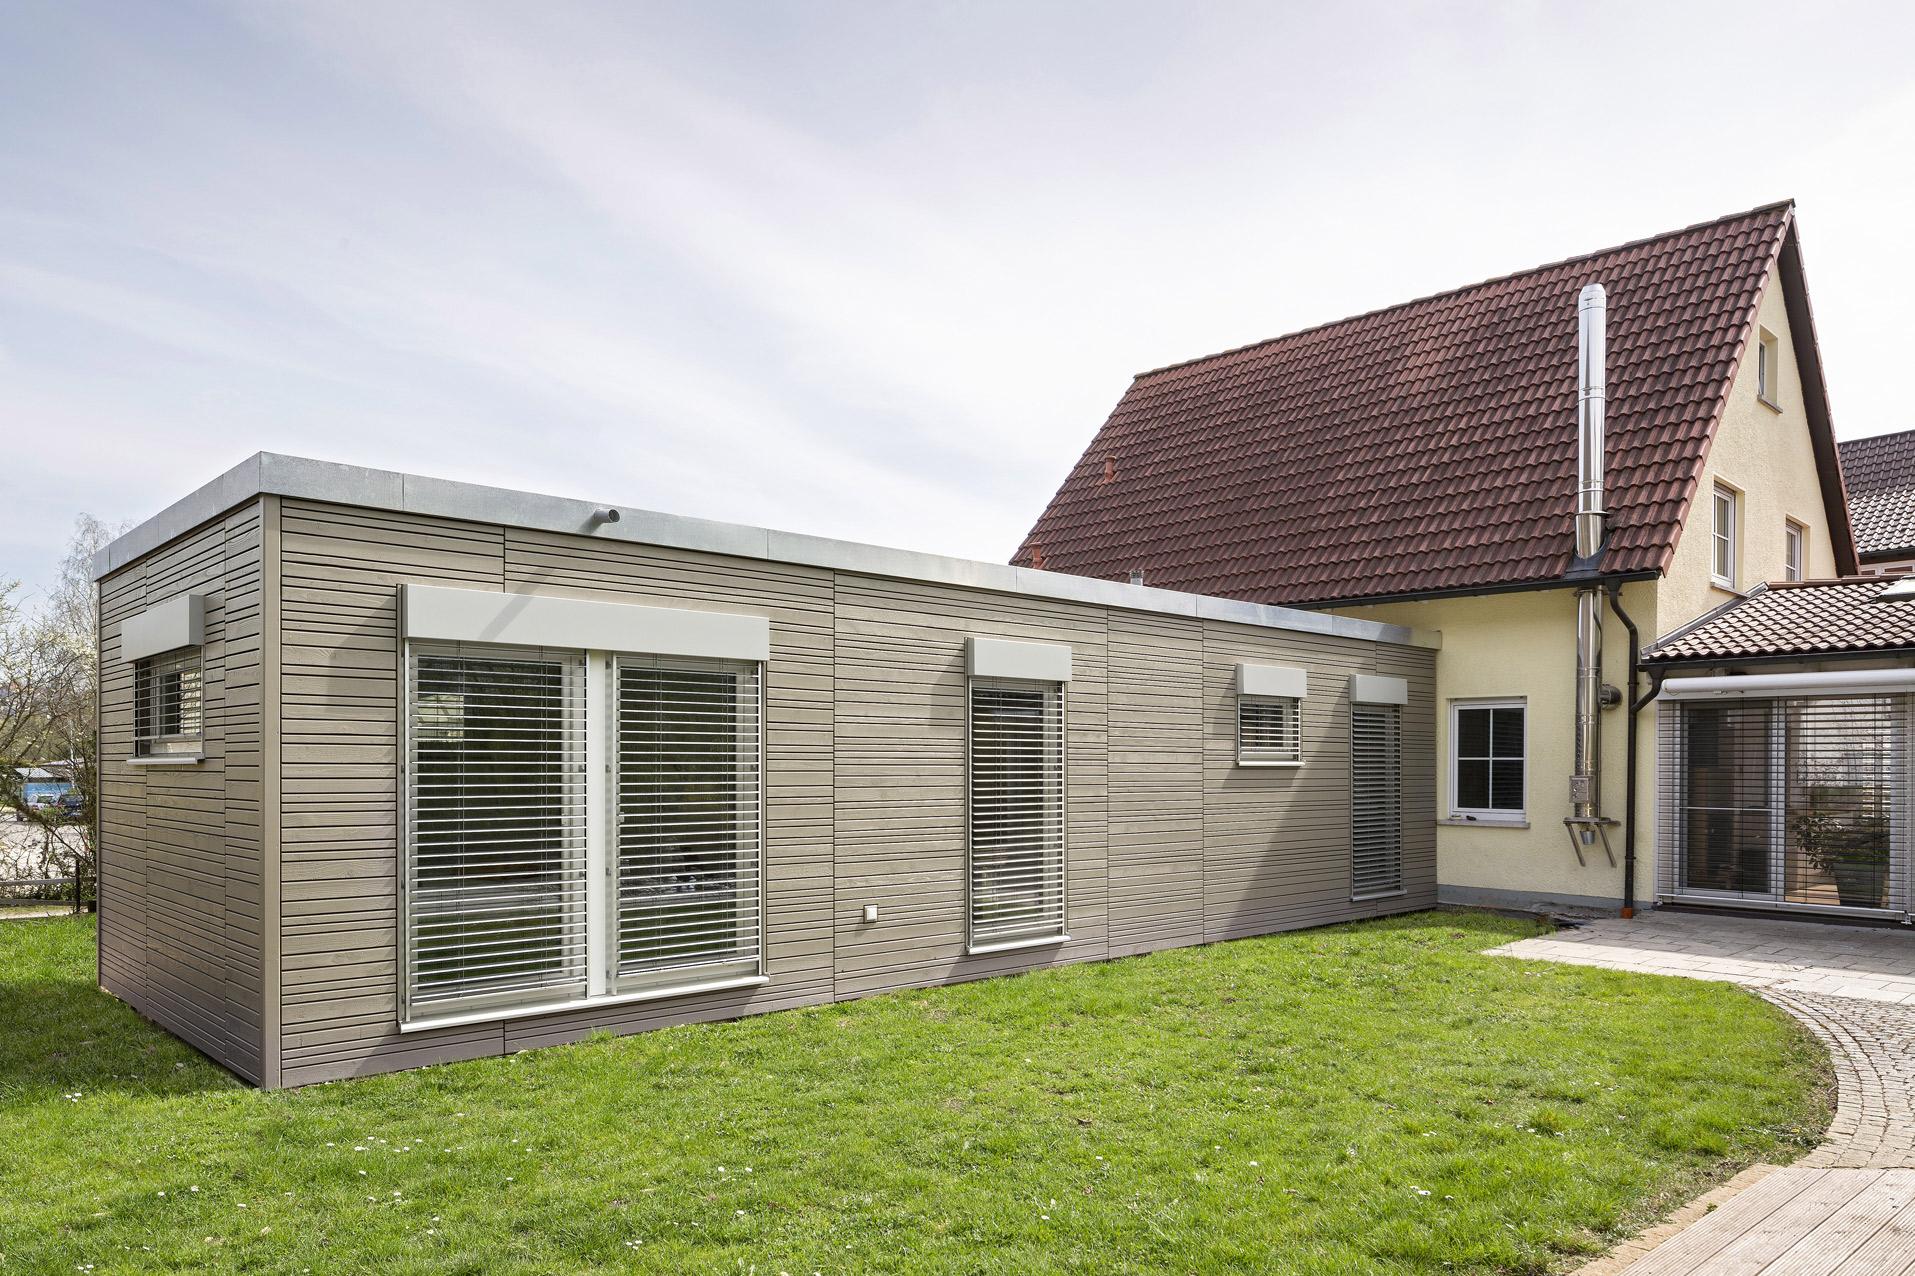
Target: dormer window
point(1768, 368)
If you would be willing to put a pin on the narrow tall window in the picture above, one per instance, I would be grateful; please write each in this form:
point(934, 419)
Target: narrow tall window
point(1487, 760)
point(495, 884)
point(1723, 542)
point(1268, 731)
point(1016, 811)
point(689, 828)
point(1768, 367)
point(168, 705)
point(1376, 800)
point(1794, 538)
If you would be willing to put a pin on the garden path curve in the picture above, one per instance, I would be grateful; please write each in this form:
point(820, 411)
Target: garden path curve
point(1848, 1207)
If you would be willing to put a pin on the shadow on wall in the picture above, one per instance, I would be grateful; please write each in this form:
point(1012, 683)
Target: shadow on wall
point(60, 1035)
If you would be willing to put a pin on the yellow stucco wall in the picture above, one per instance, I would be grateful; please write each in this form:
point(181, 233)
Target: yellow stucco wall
point(1765, 454)
point(1521, 645)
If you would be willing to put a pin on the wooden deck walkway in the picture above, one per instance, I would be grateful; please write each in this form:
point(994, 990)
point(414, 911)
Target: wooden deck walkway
point(1799, 1222)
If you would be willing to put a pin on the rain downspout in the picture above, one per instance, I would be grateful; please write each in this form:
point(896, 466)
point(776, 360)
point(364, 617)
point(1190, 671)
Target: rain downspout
point(1637, 703)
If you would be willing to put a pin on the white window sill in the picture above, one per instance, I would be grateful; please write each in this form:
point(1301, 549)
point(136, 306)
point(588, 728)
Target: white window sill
point(1770, 404)
point(498, 1013)
point(168, 759)
point(1500, 821)
point(1012, 945)
point(1297, 763)
point(1726, 586)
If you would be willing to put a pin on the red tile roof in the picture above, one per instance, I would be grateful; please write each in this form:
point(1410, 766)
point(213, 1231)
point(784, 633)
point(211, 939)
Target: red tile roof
point(1880, 472)
point(1806, 618)
point(1428, 447)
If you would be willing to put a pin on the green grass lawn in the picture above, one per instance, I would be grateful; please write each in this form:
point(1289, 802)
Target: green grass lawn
point(1371, 1098)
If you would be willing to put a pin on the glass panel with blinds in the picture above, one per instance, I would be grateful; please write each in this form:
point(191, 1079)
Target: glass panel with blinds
point(495, 898)
point(1269, 731)
point(1793, 802)
point(688, 855)
point(1016, 816)
point(169, 704)
point(1376, 800)
point(1487, 751)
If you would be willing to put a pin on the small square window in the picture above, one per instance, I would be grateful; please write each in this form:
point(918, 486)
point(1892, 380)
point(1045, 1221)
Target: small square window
point(1768, 367)
point(1269, 732)
point(1489, 762)
point(168, 716)
point(1794, 550)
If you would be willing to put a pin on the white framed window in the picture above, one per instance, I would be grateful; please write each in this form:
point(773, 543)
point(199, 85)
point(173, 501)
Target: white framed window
point(688, 795)
point(1794, 550)
point(580, 827)
point(1488, 760)
point(1015, 820)
point(169, 718)
point(1768, 367)
point(1269, 731)
point(495, 882)
point(1722, 546)
point(1376, 800)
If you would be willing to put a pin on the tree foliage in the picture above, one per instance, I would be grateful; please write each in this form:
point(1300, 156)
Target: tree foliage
point(49, 697)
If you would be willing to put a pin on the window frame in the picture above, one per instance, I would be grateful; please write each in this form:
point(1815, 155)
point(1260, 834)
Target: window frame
point(182, 746)
point(1392, 716)
point(1057, 693)
point(1768, 366)
point(750, 692)
point(1795, 550)
point(1293, 706)
point(1721, 539)
point(504, 1002)
point(1488, 815)
point(598, 745)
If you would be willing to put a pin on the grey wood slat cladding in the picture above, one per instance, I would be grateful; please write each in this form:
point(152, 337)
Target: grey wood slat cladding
point(182, 848)
point(1168, 842)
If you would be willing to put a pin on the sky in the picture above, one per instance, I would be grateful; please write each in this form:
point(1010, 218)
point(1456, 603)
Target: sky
point(874, 271)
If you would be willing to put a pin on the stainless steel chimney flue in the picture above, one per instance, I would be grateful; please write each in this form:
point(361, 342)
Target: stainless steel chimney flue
point(1592, 398)
point(1586, 823)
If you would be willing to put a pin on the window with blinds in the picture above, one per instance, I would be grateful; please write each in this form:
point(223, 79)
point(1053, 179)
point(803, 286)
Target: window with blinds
point(689, 820)
point(1376, 800)
point(1792, 802)
point(495, 906)
point(1268, 730)
point(168, 705)
point(1016, 817)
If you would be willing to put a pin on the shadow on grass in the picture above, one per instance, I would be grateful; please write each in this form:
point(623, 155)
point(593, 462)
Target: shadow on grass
point(61, 1035)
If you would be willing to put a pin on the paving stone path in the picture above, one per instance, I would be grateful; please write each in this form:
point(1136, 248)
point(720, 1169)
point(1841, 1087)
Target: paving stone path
point(1846, 1209)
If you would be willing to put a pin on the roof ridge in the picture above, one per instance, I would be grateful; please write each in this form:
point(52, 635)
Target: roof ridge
point(1441, 294)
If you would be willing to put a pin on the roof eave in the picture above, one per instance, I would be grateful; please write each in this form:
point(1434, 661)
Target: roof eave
point(270, 474)
point(1779, 657)
point(1471, 591)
